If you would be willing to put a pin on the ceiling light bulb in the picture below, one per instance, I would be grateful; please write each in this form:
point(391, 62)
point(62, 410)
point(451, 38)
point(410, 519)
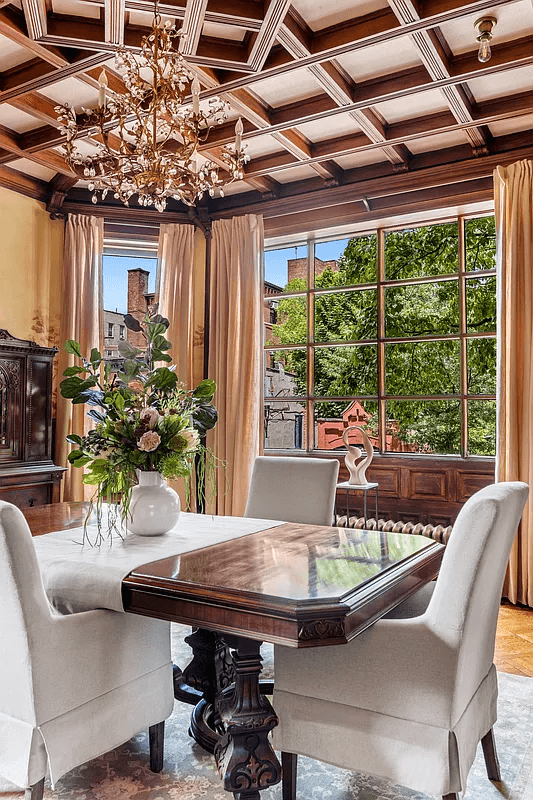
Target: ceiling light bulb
point(484, 53)
point(484, 26)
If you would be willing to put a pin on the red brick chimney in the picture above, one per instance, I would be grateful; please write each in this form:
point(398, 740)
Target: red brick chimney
point(137, 305)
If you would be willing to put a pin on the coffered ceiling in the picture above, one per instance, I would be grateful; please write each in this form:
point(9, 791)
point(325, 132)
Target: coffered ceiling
point(351, 100)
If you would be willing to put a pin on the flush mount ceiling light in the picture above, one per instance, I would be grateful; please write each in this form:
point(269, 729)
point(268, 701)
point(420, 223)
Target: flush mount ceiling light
point(149, 135)
point(484, 26)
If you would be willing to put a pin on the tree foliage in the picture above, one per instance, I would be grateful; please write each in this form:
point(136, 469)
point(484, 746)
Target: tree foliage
point(418, 309)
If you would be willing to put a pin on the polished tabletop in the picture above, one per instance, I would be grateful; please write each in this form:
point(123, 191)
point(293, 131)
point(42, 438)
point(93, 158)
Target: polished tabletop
point(300, 585)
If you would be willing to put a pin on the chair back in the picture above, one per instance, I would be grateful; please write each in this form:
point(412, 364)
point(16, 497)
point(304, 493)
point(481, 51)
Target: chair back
point(465, 604)
point(293, 489)
point(25, 613)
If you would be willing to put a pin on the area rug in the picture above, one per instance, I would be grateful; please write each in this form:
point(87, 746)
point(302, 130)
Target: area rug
point(189, 772)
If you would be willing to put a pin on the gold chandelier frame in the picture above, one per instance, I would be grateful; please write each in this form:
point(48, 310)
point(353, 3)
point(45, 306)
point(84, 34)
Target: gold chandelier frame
point(149, 136)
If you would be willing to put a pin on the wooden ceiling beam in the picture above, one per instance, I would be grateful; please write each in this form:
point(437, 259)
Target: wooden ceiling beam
point(252, 109)
point(35, 13)
point(33, 77)
point(13, 29)
point(246, 14)
point(391, 87)
point(114, 17)
point(192, 26)
point(38, 106)
point(10, 141)
point(329, 76)
point(379, 180)
point(266, 37)
point(23, 184)
point(372, 29)
point(433, 51)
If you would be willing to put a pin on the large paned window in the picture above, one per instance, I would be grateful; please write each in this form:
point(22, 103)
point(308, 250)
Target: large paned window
point(393, 331)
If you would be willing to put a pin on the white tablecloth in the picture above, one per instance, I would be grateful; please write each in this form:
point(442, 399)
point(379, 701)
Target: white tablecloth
point(79, 578)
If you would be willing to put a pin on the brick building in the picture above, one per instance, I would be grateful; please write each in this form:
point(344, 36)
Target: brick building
point(139, 300)
point(297, 267)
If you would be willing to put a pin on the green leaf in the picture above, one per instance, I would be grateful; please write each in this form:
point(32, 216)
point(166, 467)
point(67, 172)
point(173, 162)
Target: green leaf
point(91, 479)
point(73, 438)
point(158, 356)
point(162, 378)
point(119, 402)
point(73, 371)
point(96, 356)
point(127, 350)
point(72, 347)
point(131, 323)
point(154, 329)
point(206, 389)
point(162, 320)
point(204, 417)
point(74, 455)
point(72, 387)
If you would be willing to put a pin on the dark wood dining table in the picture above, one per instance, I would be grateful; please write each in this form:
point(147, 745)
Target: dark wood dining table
point(293, 585)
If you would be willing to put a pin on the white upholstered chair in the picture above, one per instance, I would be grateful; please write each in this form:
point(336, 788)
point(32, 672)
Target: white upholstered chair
point(293, 489)
point(409, 699)
point(72, 687)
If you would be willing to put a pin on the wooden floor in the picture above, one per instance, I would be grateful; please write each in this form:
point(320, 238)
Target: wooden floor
point(514, 640)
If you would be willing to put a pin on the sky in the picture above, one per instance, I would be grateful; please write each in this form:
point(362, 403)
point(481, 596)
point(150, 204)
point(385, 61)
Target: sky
point(276, 260)
point(115, 270)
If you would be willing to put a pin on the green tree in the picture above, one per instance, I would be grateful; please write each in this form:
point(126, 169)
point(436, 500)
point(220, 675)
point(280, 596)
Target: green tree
point(428, 308)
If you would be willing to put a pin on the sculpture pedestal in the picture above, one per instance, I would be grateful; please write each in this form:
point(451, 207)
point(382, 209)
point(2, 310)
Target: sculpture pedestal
point(364, 488)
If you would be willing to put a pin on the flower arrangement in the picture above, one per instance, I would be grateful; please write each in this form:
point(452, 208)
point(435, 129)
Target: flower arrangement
point(145, 419)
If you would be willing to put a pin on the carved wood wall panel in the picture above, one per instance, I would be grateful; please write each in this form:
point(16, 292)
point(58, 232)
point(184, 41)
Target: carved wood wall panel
point(28, 475)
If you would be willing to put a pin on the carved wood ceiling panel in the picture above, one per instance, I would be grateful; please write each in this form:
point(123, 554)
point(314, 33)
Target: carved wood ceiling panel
point(333, 96)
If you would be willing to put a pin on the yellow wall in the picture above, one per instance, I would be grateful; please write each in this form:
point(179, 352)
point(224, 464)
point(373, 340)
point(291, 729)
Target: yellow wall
point(31, 258)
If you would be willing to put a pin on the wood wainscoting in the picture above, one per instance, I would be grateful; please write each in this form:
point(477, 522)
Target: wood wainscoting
point(429, 490)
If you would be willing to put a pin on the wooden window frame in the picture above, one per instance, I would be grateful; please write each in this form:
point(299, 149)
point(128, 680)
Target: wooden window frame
point(463, 335)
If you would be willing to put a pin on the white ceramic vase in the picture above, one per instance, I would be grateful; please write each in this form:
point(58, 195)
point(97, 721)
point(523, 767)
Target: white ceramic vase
point(154, 507)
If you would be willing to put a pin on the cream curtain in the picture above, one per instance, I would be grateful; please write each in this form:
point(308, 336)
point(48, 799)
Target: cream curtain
point(235, 358)
point(81, 319)
point(513, 195)
point(176, 275)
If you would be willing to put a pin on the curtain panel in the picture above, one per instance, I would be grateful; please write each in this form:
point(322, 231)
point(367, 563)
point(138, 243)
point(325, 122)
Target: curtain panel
point(176, 275)
point(235, 354)
point(81, 320)
point(513, 196)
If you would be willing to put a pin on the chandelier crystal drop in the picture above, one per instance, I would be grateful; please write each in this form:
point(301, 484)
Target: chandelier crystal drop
point(149, 136)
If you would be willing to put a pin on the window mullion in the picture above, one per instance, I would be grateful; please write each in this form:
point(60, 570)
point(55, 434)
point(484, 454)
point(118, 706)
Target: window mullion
point(382, 407)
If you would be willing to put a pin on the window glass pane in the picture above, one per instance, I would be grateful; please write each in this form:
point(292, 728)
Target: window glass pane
point(286, 269)
point(481, 304)
point(480, 240)
point(285, 426)
point(290, 326)
point(285, 373)
point(481, 366)
point(346, 262)
point(416, 252)
point(482, 427)
point(346, 371)
point(124, 287)
point(332, 419)
point(348, 316)
point(422, 368)
point(422, 309)
point(423, 426)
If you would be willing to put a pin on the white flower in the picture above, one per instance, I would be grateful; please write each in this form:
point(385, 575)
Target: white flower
point(191, 437)
point(151, 416)
point(149, 441)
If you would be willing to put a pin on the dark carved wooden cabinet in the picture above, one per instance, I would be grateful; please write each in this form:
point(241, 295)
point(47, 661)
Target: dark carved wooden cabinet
point(28, 476)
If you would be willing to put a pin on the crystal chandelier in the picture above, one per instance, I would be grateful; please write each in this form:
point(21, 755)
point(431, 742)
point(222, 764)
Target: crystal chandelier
point(148, 136)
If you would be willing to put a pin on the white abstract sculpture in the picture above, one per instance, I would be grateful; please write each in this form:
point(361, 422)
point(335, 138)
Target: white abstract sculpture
point(357, 470)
